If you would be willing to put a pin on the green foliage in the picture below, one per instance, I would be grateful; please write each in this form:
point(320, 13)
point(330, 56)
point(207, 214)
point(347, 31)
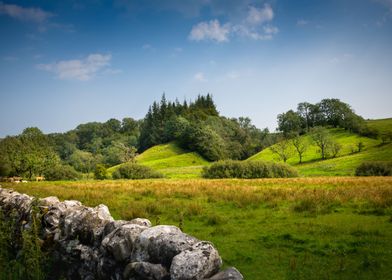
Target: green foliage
point(374, 168)
point(61, 172)
point(100, 172)
point(28, 154)
point(198, 127)
point(322, 139)
point(289, 122)
point(283, 149)
point(135, 171)
point(21, 255)
point(83, 161)
point(248, 170)
point(328, 112)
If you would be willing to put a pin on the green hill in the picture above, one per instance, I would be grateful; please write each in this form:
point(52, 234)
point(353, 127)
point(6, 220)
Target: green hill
point(345, 162)
point(381, 125)
point(172, 161)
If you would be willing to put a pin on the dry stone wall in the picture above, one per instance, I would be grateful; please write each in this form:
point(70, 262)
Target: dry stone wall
point(90, 244)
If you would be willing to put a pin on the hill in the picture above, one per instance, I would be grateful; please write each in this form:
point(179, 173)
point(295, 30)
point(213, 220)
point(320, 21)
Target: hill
point(345, 162)
point(171, 160)
point(381, 125)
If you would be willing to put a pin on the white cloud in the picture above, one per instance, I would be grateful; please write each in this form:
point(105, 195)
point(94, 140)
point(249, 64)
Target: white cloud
point(210, 31)
point(82, 70)
point(256, 25)
point(200, 77)
point(258, 16)
point(36, 15)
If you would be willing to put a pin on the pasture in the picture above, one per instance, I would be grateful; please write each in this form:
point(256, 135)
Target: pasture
point(301, 228)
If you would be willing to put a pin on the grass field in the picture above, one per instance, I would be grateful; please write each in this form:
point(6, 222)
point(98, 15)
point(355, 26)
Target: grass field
point(172, 161)
point(302, 228)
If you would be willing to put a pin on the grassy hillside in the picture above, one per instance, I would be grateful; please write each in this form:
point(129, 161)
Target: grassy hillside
point(382, 125)
point(300, 228)
point(172, 161)
point(346, 161)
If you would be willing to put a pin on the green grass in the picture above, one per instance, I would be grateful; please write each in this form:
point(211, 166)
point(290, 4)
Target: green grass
point(346, 165)
point(346, 139)
point(172, 161)
point(346, 161)
point(300, 228)
point(382, 125)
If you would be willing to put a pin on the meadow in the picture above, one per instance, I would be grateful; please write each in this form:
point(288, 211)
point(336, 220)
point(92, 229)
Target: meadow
point(298, 228)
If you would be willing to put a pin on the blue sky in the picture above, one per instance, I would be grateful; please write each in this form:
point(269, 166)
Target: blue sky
point(63, 63)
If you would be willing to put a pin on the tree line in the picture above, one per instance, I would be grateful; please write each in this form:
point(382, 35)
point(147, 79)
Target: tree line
point(328, 112)
point(94, 146)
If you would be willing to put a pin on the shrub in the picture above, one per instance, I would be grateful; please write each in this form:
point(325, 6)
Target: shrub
point(135, 171)
point(248, 170)
point(375, 168)
point(100, 172)
point(61, 172)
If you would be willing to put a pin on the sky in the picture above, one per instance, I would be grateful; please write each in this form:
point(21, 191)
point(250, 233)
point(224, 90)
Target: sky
point(63, 63)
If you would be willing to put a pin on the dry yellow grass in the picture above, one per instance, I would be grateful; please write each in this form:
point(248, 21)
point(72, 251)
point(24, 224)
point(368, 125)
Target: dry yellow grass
point(330, 227)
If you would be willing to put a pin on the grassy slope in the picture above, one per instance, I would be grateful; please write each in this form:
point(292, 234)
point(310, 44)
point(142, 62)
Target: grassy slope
point(172, 161)
point(302, 228)
point(344, 164)
point(382, 125)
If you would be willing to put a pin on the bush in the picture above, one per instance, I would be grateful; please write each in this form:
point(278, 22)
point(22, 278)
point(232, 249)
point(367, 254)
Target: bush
point(375, 168)
point(62, 172)
point(100, 172)
point(135, 171)
point(248, 170)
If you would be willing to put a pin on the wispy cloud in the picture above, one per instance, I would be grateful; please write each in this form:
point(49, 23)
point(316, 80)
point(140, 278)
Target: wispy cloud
point(148, 47)
point(256, 25)
point(35, 15)
point(200, 77)
point(210, 31)
point(258, 16)
point(302, 22)
point(76, 69)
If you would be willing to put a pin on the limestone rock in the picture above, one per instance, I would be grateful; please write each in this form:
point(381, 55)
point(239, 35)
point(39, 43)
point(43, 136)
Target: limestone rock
point(141, 222)
point(49, 201)
point(200, 261)
point(87, 224)
point(145, 271)
point(160, 244)
point(120, 242)
point(230, 273)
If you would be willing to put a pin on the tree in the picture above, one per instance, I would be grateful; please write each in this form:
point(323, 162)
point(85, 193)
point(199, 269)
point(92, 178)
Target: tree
point(335, 148)
point(83, 161)
point(289, 122)
point(360, 146)
point(28, 154)
point(282, 149)
point(322, 139)
point(300, 146)
point(304, 110)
